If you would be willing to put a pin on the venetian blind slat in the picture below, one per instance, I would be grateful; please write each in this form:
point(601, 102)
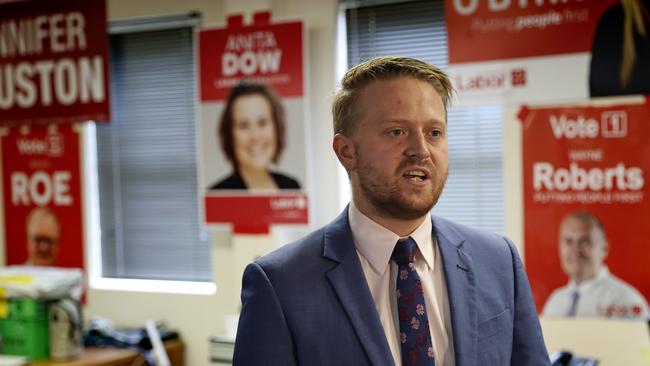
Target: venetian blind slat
point(149, 204)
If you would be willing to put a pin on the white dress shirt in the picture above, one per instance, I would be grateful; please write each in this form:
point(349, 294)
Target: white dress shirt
point(374, 244)
point(605, 295)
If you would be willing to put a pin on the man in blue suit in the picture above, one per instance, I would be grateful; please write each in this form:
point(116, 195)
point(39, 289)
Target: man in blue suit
point(386, 283)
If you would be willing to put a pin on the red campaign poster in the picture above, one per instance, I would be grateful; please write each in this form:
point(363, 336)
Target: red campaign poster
point(507, 51)
point(507, 29)
point(270, 53)
point(42, 196)
point(252, 127)
point(587, 208)
point(53, 61)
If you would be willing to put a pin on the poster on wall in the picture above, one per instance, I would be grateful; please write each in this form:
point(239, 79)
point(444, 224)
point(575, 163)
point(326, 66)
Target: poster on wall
point(544, 51)
point(252, 125)
point(53, 62)
point(587, 208)
point(42, 196)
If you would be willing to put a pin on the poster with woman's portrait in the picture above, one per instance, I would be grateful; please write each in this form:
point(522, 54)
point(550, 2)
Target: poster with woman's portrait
point(252, 156)
point(547, 51)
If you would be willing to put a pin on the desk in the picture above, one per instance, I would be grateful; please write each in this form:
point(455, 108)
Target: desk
point(118, 356)
point(613, 341)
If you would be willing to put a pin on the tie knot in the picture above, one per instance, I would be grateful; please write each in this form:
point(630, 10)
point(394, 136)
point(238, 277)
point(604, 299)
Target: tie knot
point(404, 251)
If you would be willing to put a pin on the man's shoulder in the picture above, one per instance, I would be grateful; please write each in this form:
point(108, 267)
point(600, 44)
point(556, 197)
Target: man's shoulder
point(622, 288)
point(560, 292)
point(471, 238)
point(556, 304)
point(305, 248)
point(308, 258)
point(622, 294)
point(489, 252)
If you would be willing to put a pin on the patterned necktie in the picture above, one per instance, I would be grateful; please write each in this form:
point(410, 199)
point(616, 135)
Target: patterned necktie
point(575, 296)
point(415, 339)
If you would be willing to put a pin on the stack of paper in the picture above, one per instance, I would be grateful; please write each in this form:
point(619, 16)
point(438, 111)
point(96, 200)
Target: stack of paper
point(40, 282)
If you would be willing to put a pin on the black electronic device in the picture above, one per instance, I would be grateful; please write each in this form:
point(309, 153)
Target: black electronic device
point(564, 358)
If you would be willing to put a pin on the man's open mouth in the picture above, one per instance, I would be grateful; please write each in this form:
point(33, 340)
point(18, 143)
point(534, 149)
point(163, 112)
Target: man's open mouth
point(416, 175)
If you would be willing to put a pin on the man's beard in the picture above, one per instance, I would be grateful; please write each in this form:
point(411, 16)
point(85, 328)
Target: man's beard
point(384, 194)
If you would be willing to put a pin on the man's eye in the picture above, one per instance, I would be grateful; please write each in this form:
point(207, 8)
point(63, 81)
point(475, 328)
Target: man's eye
point(396, 132)
point(436, 133)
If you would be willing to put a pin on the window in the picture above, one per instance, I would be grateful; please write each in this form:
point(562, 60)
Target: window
point(473, 194)
point(149, 211)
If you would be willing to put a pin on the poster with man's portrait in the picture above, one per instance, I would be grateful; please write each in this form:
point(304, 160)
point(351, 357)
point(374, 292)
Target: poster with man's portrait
point(587, 208)
point(252, 125)
point(41, 183)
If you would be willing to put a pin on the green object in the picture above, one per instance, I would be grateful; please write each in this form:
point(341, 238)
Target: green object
point(25, 330)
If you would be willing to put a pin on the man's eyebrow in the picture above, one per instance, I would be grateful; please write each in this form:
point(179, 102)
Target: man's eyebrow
point(404, 120)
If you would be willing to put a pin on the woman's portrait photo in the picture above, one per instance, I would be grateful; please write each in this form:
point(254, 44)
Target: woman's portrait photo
point(252, 134)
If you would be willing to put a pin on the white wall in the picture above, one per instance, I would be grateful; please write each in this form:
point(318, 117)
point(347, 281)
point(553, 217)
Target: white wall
point(512, 178)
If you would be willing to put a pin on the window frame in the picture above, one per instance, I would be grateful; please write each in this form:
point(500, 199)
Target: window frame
point(90, 174)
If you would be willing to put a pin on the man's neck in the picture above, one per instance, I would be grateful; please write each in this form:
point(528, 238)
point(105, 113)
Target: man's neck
point(581, 280)
point(401, 227)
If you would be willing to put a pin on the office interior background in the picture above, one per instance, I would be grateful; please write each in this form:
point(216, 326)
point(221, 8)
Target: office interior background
point(148, 254)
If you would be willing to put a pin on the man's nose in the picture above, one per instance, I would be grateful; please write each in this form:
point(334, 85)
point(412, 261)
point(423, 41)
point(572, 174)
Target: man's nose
point(43, 246)
point(573, 246)
point(417, 146)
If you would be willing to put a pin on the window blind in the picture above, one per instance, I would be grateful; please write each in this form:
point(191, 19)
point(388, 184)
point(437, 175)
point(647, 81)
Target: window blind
point(146, 156)
point(473, 194)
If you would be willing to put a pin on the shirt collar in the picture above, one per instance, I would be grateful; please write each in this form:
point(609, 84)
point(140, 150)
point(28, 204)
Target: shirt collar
point(376, 243)
point(602, 273)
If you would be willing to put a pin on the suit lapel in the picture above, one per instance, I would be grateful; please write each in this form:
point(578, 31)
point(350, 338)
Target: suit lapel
point(461, 292)
point(350, 285)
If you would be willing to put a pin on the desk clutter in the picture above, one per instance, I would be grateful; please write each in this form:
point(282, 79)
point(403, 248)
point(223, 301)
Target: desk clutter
point(41, 319)
point(40, 312)
point(41, 329)
point(102, 333)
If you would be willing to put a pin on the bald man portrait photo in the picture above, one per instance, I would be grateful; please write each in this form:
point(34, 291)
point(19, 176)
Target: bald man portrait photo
point(43, 232)
point(592, 290)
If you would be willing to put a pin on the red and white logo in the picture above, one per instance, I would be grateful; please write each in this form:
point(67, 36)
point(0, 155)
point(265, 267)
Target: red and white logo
point(614, 124)
point(518, 77)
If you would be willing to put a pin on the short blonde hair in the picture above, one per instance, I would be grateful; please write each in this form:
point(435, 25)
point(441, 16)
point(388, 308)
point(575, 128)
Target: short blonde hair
point(383, 68)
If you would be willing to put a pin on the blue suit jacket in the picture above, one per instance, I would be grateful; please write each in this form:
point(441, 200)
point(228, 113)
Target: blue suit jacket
point(308, 303)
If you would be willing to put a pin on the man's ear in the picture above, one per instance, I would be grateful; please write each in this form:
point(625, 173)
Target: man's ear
point(344, 149)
